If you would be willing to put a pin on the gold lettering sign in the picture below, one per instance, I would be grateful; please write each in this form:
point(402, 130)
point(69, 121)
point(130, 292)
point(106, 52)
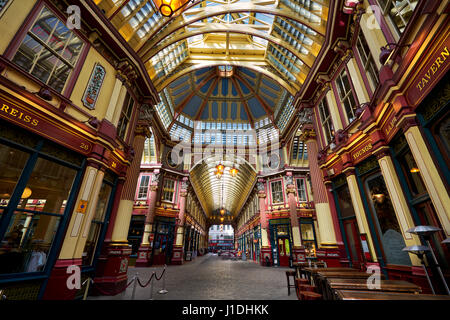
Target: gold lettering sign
point(433, 69)
point(390, 126)
point(362, 151)
point(19, 115)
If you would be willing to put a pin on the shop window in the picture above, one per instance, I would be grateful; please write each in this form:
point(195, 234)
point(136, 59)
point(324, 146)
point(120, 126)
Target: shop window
point(325, 119)
point(277, 192)
point(348, 102)
point(168, 190)
point(386, 221)
point(136, 232)
point(370, 68)
point(15, 160)
point(97, 223)
point(143, 187)
point(301, 190)
point(345, 202)
point(308, 237)
point(36, 217)
point(412, 173)
point(399, 11)
point(49, 50)
point(125, 116)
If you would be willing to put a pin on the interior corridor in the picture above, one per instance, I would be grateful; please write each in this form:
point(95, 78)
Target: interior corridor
point(211, 277)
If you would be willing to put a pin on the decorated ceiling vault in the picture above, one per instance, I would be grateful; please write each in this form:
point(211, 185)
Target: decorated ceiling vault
point(224, 65)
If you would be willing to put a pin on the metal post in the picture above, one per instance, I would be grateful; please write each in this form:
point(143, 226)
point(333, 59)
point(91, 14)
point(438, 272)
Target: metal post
point(428, 277)
point(151, 286)
point(87, 288)
point(134, 286)
point(438, 267)
point(163, 290)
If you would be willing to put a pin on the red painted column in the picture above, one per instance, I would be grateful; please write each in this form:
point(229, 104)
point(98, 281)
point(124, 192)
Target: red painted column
point(265, 245)
point(298, 251)
point(111, 273)
point(177, 256)
point(327, 221)
point(145, 249)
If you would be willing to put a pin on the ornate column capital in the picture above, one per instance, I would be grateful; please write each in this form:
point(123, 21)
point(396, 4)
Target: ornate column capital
point(349, 171)
point(290, 189)
point(382, 152)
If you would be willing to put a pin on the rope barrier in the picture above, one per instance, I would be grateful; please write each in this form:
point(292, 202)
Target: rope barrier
point(148, 282)
point(161, 275)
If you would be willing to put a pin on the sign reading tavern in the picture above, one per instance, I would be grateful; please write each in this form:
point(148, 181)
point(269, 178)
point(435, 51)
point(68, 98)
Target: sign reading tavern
point(433, 69)
point(437, 65)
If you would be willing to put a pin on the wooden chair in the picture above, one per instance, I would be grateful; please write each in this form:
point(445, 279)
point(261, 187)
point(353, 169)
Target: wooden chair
point(308, 295)
point(307, 287)
point(289, 285)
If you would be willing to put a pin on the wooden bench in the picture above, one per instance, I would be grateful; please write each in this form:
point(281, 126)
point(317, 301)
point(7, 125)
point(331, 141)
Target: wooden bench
point(321, 276)
point(334, 284)
point(381, 295)
point(310, 273)
point(300, 265)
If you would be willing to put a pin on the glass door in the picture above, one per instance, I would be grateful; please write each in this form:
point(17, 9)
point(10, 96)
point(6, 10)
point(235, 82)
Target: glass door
point(354, 242)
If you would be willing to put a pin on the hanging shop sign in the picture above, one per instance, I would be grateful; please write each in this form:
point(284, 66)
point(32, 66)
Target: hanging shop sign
point(437, 65)
point(26, 117)
point(94, 85)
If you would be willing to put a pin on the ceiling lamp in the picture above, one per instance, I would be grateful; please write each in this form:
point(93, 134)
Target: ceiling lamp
point(218, 174)
point(26, 193)
point(414, 170)
point(220, 168)
point(234, 172)
point(169, 7)
point(222, 211)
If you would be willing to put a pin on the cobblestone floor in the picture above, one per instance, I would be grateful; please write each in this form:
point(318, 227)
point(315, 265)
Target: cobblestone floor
point(211, 277)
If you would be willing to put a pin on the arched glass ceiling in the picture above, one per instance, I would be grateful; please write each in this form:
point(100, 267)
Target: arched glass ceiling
point(237, 107)
point(279, 39)
point(227, 192)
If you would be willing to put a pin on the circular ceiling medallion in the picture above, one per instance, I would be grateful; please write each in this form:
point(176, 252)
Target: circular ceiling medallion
point(174, 159)
point(273, 161)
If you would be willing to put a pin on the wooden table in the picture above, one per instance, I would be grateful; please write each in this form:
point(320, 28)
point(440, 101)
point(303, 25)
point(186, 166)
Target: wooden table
point(381, 295)
point(321, 276)
point(311, 272)
point(300, 265)
point(334, 284)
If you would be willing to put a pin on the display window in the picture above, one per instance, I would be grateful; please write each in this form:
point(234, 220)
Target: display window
point(101, 215)
point(308, 236)
point(36, 194)
point(422, 208)
point(348, 222)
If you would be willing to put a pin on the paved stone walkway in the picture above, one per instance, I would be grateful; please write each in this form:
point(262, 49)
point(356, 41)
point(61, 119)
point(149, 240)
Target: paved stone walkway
point(211, 277)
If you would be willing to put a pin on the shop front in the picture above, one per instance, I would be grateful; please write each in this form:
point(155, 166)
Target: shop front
point(281, 241)
point(135, 233)
point(256, 243)
point(347, 222)
point(308, 236)
point(37, 194)
point(163, 240)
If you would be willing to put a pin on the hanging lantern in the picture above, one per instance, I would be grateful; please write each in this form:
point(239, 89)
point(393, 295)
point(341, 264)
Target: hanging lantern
point(220, 168)
point(234, 172)
point(169, 7)
point(26, 193)
point(222, 211)
point(218, 174)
